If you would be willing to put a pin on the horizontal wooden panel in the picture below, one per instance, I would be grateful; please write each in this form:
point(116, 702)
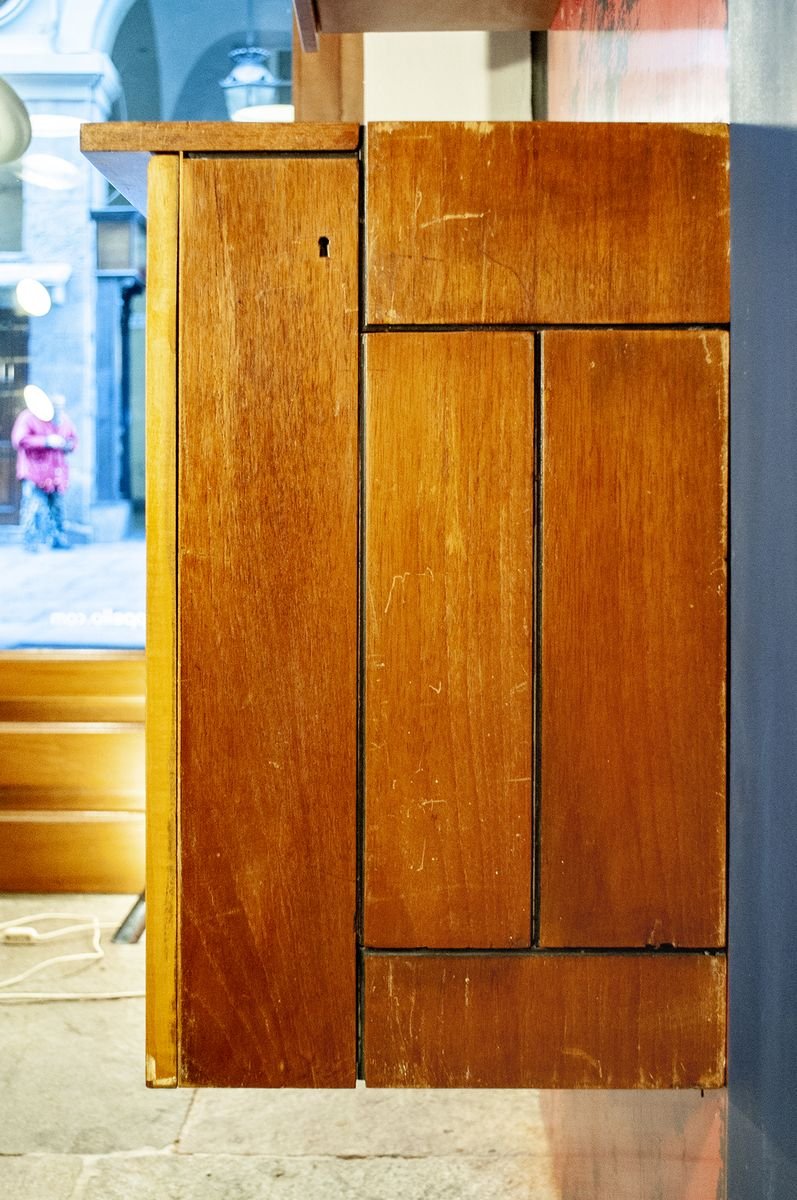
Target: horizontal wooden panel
point(449, 428)
point(80, 756)
point(349, 16)
point(113, 709)
point(121, 150)
point(547, 223)
point(71, 686)
point(634, 498)
point(563, 1021)
point(31, 674)
point(74, 852)
point(66, 795)
point(268, 622)
point(231, 137)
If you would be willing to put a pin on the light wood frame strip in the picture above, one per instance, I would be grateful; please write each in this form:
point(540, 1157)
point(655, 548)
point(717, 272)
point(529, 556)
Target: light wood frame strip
point(162, 713)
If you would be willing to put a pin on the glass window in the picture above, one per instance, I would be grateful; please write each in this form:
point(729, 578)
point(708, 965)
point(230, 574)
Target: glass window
point(73, 295)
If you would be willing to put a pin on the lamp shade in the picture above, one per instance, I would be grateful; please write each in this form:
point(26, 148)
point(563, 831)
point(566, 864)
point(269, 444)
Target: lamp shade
point(251, 84)
point(14, 124)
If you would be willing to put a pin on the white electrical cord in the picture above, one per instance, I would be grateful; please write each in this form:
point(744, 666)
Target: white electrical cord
point(21, 932)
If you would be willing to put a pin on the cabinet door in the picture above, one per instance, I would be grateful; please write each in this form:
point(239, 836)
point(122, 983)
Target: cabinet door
point(630, 774)
point(634, 484)
point(602, 963)
point(267, 586)
point(448, 647)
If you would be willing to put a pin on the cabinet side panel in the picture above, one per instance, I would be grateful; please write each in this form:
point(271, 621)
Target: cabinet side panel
point(545, 1021)
point(268, 621)
point(634, 486)
point(448, 564)
point(549, 223)
point(161, 709)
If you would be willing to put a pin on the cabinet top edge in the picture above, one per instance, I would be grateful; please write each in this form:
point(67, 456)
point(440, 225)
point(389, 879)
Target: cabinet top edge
point(174, 137)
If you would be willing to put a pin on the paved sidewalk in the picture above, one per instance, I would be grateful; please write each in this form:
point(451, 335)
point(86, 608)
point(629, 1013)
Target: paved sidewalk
point(77, 1122)
point(89, 596)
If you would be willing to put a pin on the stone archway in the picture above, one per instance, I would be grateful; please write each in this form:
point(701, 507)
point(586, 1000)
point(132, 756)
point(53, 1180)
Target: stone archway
point(90, 24)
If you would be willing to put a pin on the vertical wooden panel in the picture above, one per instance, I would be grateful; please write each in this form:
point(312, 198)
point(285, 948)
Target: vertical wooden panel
point(633, 804)
point(268, 629)
point(449, 493)
point(547, 1021)
point(161, 714)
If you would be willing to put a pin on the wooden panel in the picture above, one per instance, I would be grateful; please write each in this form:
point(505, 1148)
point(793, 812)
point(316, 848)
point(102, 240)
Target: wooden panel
point(121, 150)
point(93, 756)
point(72, 852)
point(342, 16)
point(231, 137)
point(268, 621)
point(328, 84)
point(71, 686)
point(549, 223)
point(633, 812)
point(162, 715)
point(564, 1021)
point(449, 428)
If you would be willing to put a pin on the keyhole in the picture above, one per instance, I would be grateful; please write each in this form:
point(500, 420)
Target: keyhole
point(323, 247)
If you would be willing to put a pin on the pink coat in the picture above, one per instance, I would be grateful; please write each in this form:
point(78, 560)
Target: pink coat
point(36, 461)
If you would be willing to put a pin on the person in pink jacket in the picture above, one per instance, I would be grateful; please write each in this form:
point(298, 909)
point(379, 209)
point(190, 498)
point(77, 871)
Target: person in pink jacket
point(42, 447)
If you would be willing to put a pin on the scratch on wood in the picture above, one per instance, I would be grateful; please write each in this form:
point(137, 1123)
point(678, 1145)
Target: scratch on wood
point(403, 577)
point(468, 216)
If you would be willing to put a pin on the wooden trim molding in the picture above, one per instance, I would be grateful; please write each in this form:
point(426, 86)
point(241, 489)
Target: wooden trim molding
point(161, 774)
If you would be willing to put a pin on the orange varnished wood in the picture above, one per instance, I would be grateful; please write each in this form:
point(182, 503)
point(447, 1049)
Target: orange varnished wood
point(633, 809)
point(449, 493)
point(328, 83)
point(268, 630)
point(231, 137)
point(72, 851)
point(563, 1021)
point(121, 150)
point(550, 223)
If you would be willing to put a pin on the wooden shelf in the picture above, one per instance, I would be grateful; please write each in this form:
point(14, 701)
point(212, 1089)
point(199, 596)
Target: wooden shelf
point(405, 16)
point(120, 150)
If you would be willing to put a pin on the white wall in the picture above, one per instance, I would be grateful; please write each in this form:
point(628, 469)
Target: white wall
point(447, 76)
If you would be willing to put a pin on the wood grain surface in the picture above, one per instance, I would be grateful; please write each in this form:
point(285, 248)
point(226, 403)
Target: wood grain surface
point(162, 768)
point(208, 137)
point(545, 1021)
point(328, 83)
point(634, 486)
point(121, 150)
point(547, 223)
point(449, 497)
point(72, 685)
point(72, 852)
point(341, 16)
point(268, 621)
point(93, 756)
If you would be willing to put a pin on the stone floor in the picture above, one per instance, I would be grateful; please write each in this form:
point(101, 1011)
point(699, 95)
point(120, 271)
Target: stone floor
point(87, 596)
point(77, 1123)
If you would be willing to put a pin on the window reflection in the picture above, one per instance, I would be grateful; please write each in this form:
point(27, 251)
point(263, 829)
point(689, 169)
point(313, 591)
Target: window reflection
point(73, 298)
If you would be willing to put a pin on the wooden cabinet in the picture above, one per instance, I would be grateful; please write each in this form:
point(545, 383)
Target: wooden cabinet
point(437, 553)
